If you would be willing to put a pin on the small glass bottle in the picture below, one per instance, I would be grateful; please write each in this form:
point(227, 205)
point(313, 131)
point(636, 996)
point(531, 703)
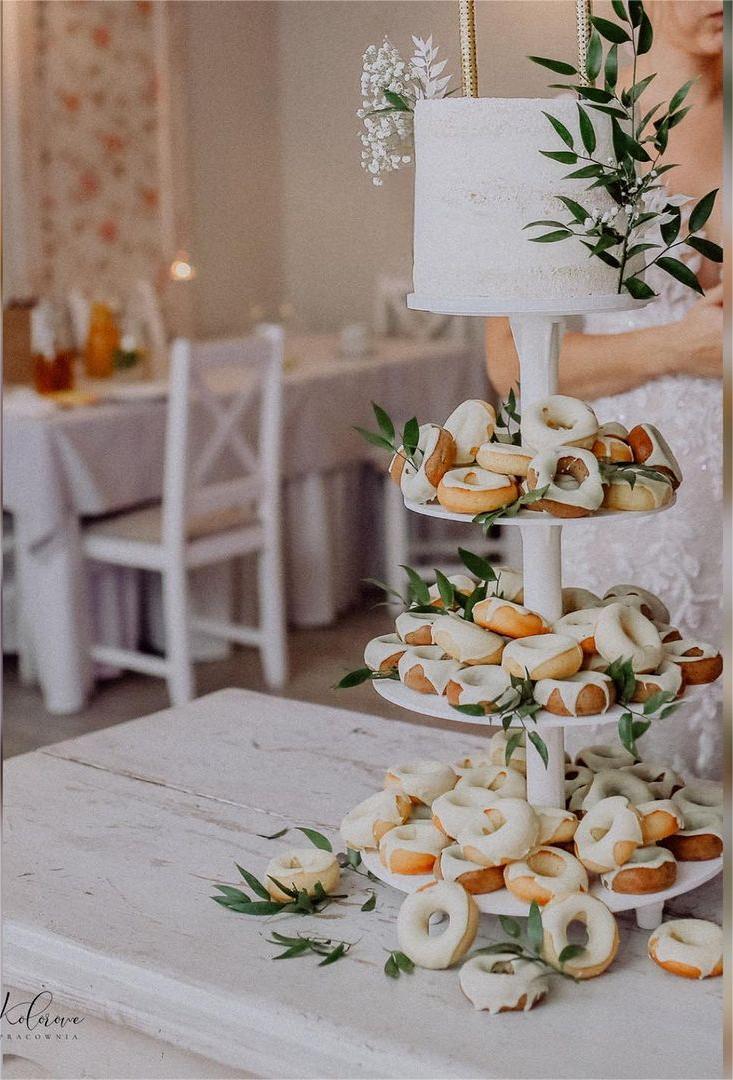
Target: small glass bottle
point(103, 340)
point(52, 362)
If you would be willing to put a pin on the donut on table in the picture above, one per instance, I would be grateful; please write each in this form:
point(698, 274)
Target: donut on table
point(558, 420)
point(574, 599)
point(423, 668)
point(546, 873)
point(650, 869)
point(603, 940)
point(383, 653)
point(580, 625)
point(416, 627)
point(545, 656)
point(692, 948)
point(650, 605)
point(646, 494)
point(473, 490)
point(421, 781)
point(604, 756)
point(435, 455)
point(572, 479)
point(477, 880)
point(652, 449)
point(609, 782)
point(465, 641)
point(501, 779)
point(622, 632)
point(412, 849)
point(497, 749)
point(698, 663)
point(460, 582)
point(662, 781)
point(437, 951)
point(461, 807)
point(660, 818)
point(503, 982)
point(509, 831)
point(509, 584)
point(365, 825)
point(505, 458)
point(557, 826)
point(487, 685)
point(302, 869)
point(471, 424)
point(508, 618)
point(582, 694)
point(668, 678)
point(608, 835)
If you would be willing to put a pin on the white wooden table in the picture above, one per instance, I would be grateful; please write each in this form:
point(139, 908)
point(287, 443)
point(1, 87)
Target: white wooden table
point(112, 843)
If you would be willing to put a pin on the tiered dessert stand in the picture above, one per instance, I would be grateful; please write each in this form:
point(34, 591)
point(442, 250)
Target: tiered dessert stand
point(537, 331)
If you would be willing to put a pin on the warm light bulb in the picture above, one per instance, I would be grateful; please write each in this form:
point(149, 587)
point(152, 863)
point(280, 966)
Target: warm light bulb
point(181, 269)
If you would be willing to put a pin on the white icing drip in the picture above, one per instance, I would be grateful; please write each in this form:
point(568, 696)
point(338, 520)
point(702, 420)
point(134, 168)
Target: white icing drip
point(572, 876)
point(609, 782)
point(622, 631)
point(485, 684)
point(413, 482)
point(650, 857)
point(556, 421)
point(357, 827)
point(600, 924)
point(420, 837)
point(471, 423)
point(666, 806)
point(505, 458)
point(676, 650)
point(694, 942)
point(461, 808)
point(552, 819)
point(508, 832)
point(380, 649)
point(486, 610)
point(570, 689)
point(474, 478)
point(586, 493)
point(579, 625)
point(501, 980)
point(408, 622)
point(501, 779)
point(660, 490)
point(530, 653)
point(669, 678)
point(423, 780)
point(621, 823)
point(453, 863)
point(465, 641)
point(613, 428)
point(437, 671)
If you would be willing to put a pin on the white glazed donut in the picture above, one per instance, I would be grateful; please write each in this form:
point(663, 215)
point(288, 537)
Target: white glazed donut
point(473, 490)
point(459, 808)
point(558, 421)
point(650, 605)
point(509, 831)
point(509, 584)
point(692, 948)
point(412, 849)
point(701, 805)
point(611, 447)
point(365, 825)
point(613, 427)
point(416, 627)
point(497, 749)
point(646, 494)
point(668, 678)
point(698, 801)
point(501, 779)
point(573, 481)
point(471, 424)
point(601, 946)
point(478, 880)
point(460, 582)
point(421, 781)
point(437, 951)
point(435, 454)
point(302, 869)
point(505, 458)
point(578, 779)
point(423, 668)
point(487, 685)
point(508, 618)
point(604, 756)
point(582, 694)
point(503, 982)
point(557, 826)
point(698, 662)
point(471, 761)
point(608, 782)
point(580, 625)
point(465, 641)
point(608, 835)
point(662, 781)
point(652, 449)
point(574, 599)
point(383, 653)
point(622, 633)
point(546, 873)
point(650, 869)
point(660, 818)
point(545, 656)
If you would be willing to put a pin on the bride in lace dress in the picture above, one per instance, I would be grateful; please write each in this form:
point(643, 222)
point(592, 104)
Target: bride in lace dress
point(662, 364)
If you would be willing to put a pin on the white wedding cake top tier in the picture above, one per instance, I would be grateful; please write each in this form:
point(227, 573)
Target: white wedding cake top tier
point(479, 179)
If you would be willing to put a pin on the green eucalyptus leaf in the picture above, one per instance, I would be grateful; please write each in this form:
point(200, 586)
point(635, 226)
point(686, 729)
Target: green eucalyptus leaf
point(655, 702)
point(676, 100)
point(646, 35)
point(561, 130)
point(510, 926)
point(390, 967)
point(680, 272)
point(411, 436)
point(470, 710)
point(707, 248)
point(374, 439)
point(610, 69)
point(638, 88)
point(570, 952)
point(499, 947)
point(679, 116)
point(611, 31)
point(638, 728)
point(255, 885)
point(539, 744)
point(404, 963)
point(670, 229)
point(273, 836)
point(262, 907)
point(579, 212)
point(477, 565)
point(594, 93)
point(620, 10)
point(383, 420)
point(294, 950)
point(371, 903)
point(565, 157)
point(593, 56)
point(355, 678)
point(334, 955)
point(585, 173)
point(637, 249)
point(535, 933)
point(638, 288)
point(636, 11)
point(551, 237)
point(418, 588)
point(511, 745)
point(625, 733)
point(397, 102)
point(558, 66)
point(446, 590)
point(317, 839)
point(609, 110)
point(702, 211)
point(587, 133)
point(233, 894)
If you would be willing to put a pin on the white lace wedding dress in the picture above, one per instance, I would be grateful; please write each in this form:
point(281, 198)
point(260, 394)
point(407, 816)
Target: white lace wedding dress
point(679, 553)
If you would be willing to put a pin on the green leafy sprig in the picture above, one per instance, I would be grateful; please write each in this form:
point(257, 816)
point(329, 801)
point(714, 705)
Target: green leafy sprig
point(397, 963)
point(364, 674)
point(509, 420)
point(331, 949)
point(386, 437)
point(632, 723)
point(520, 709)
point(532, 950)
point(489, 517)
point(629, 471)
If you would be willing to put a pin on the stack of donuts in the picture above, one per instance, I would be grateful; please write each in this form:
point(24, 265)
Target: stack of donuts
point(472, 662)
point(466, 466)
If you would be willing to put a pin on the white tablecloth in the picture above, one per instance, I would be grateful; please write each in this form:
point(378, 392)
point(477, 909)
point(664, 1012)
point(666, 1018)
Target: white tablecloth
point(85, 462)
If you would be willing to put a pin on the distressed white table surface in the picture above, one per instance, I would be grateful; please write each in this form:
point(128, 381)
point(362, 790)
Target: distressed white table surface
point(112, 842)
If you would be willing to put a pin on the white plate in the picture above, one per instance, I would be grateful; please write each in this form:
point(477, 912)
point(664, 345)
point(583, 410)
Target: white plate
point(537, 517)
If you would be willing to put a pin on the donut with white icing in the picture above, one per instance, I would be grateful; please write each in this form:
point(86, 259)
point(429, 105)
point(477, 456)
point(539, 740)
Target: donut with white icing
point(698, 662)
point(603, 940)
point(437, 951)
point(452, 865)
point(509, 831)
point(609, 782)
point(557, 826)
point(460, 807)
point(660, 818)
point(622, 632)
point(692, 948)
point(508, 618)
point(423, 668)
point(501, 779)
point(610, 447)
point(604, 756)
point(662, 780)
point(503, 982)
point(650, 605)
point(486, 685)
point(649, 870)
point(302, 869)
point(434, 456)
point(460, 582)
point(471, 761)
point(415, 627)
point(365, 825)
point(421, 781)
point(668, 678)
point(473, 490)
point(578, 779)
point(471, 424)
point(572, 479)
point(383, 653)
point(412, 849)
point(650, 448)
point(465, 641)
point(582, 694)
point(647, 493)
point(608, 835)
point(546, 873)
point(544, 656)
point(498, 745)
point(505, 458)
point(594, 662)
point(574, 599)
point(701, 805)
point(509, 584)
point(580, 625)
point(558, 420)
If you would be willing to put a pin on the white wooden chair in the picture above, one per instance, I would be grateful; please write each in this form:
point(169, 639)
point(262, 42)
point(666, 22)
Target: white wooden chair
point(204, 520)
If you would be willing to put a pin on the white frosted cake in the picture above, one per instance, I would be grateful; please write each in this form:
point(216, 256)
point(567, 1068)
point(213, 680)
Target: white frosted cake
point(479, 179)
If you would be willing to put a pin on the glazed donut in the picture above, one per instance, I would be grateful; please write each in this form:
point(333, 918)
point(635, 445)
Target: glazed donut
point(461, 807)
point(603, 940)
point(435, 455)
point(662, 781)
point(557, 826)
point(646, 494)
point(623, 632)
point(460, 582)
point(604, 756)
point(545, 874)
point(503, 982)
point(692, 948)
point(650, 869)
point(471, 424)
point(383, 653)
point(667, 632)
point(505, 458)
point(609, 447)
point(574, 599)
point(582, 694)
point(472, 761)
point(501, 779)
point(696, 845)
point(473, 490)
point(421, 781)
point(609, 782)
point(698, 801)
point(509, 831)
point(698, 663)
point(702, 810)
point(608, 834)
point(412, 849)
point(669, 678)
point(509, 619)
point(558, 421)
point(423, 668)
point(660, 818)
point(437, 951)
point(509, 584)
point(546, 656)
point(302, 869)
point(497, 750)
point(581, 626)
point(452, 865)
point(365, 825)
point(487, 685)
point(652, 449)
point(572, 479)
point(416, 627)
point(465, 641)
point(578, 778)
point(650, 605)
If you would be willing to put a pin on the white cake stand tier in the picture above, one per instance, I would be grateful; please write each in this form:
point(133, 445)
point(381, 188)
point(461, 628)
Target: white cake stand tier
point(487, 306)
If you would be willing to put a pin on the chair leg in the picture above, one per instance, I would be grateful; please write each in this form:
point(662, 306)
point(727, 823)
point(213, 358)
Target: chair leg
point(272, 616)
point(180, 679)
point(396, 538)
